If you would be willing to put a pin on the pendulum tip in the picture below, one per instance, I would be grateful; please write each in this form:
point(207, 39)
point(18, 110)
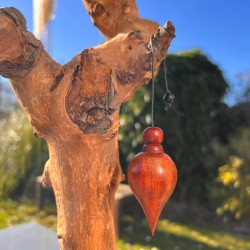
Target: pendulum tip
point(152, 227)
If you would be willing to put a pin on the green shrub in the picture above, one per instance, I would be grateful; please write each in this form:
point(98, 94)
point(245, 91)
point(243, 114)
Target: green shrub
point(234, 177)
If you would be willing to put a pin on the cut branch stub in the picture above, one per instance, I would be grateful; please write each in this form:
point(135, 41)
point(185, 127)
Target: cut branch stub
point(18, 50)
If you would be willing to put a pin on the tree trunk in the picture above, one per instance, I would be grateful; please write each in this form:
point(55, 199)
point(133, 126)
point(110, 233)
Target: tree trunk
point(75, 108)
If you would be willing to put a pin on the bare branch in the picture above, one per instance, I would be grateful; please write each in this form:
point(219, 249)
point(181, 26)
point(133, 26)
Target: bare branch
point(118, 16)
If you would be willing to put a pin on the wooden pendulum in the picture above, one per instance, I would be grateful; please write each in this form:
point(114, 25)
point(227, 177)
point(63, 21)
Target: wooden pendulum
point(152, 174)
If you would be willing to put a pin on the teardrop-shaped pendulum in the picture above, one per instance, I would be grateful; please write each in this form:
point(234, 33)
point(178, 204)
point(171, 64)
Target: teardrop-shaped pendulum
point(152, 176)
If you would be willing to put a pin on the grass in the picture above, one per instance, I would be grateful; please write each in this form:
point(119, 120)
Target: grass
point(174, 234)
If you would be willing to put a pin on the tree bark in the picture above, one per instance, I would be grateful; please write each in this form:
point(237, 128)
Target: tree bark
point(75, 108)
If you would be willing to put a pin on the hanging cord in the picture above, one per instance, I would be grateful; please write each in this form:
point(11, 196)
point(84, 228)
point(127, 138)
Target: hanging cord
point(168, 97)
point(153, 83)
point(165, 75)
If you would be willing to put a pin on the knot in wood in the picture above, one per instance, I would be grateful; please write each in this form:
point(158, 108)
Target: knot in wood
point(95, 116)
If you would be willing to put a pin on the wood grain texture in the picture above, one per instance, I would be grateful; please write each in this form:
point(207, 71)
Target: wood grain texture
point(75, 108)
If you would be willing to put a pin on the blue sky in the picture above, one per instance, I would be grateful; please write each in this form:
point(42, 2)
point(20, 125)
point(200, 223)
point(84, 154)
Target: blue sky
point(220, 28)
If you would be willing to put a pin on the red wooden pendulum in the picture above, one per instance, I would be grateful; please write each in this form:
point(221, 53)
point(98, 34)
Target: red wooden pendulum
point(152, 174)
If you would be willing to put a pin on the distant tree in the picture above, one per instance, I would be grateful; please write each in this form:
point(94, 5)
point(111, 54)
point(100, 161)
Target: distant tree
point(244, 82)
point(242, 111)
point(242, 107)
point(189, 126)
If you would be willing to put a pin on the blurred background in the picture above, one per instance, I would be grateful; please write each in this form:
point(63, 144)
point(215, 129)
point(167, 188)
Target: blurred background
point(207, 129)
